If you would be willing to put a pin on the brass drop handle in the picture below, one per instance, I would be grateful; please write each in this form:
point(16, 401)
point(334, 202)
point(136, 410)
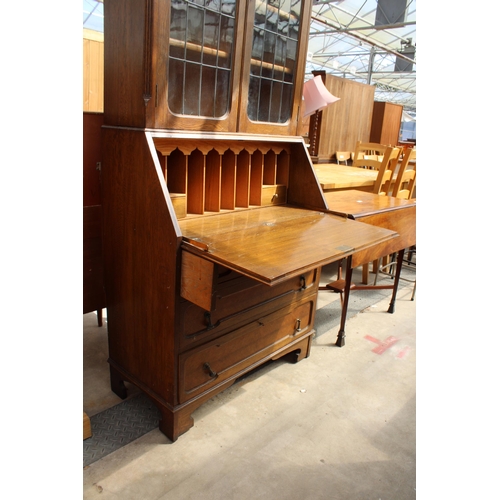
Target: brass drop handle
point(303, 283)
point(208, 318)
point(297, 326)
point(209, 370)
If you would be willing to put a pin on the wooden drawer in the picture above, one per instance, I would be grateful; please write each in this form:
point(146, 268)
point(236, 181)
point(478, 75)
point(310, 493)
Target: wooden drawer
point(273, 194)
point(239, 300)
point(179, 201)
point(201, 281)
point(231, 355)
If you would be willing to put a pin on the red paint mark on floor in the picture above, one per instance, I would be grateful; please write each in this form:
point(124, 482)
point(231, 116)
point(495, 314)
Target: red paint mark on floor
point(383, 345)
point(403, 352)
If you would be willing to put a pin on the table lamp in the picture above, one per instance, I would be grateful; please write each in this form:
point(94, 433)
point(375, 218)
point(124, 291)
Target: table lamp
point(316, 96)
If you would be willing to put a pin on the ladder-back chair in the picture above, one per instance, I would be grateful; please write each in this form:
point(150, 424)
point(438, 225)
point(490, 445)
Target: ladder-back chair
point(404, 185)
point(368, 155)
point(386, 169)
point(404, 188)
point(382, 187)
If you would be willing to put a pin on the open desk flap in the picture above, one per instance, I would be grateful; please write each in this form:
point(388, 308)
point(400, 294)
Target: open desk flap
point(273, 244)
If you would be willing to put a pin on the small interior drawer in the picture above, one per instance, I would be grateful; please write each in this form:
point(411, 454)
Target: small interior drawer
point(179, 202)
point(273, 194)
point(240, 350)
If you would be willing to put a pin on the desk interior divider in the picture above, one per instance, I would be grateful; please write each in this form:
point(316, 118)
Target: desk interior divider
point(205, 177)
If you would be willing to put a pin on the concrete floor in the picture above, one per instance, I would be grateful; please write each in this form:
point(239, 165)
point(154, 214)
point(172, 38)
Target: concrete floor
point(340, 424)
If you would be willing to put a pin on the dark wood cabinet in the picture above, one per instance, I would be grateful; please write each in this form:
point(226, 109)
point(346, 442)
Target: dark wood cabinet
point(212, 254)
point(386, 123)
point(217, 66)
point(94, 298)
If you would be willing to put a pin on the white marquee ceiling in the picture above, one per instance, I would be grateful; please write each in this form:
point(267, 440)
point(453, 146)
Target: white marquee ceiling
point(350, 39)
point(345, 41)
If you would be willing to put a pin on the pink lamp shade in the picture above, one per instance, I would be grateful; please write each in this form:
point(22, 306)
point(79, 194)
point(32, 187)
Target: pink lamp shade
point(316, 96)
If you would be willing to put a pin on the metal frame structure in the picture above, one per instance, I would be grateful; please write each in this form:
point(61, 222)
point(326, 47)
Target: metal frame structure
point(348, 39)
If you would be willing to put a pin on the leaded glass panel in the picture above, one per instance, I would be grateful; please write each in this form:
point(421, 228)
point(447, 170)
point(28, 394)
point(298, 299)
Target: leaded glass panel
point(201, 57)
point(274, 53)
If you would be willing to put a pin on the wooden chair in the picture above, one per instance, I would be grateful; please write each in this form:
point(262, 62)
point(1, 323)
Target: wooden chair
point(386, 168)
point(382, 187)
point(368, 155)
point(388, 269)
point(404, 185)
point(342, 156)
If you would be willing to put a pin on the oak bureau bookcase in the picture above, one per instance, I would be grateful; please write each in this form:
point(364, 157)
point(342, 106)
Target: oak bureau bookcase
point(212, 253)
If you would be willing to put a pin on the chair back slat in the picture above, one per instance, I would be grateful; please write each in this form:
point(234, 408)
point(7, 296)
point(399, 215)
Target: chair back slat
point(368, 155)
point(386, 171)
point(404, 186)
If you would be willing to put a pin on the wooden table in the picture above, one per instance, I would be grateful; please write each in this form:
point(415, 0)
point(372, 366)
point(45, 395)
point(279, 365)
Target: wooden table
point(382, 211)
point(333, 177)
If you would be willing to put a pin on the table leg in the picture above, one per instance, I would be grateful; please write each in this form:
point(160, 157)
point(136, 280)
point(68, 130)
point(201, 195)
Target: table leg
point(399, 266)
point(348, 277)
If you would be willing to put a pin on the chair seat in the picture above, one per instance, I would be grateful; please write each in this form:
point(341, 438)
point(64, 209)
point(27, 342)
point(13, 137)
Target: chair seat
point(338, 286)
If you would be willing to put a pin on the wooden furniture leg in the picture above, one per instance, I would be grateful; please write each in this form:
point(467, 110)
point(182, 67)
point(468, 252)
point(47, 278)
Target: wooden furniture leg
point(399, 266)
point(348, 277)
point(99, 317)
point(176, 421)
point(365, 274)
point(117, 383)
point(347, 287)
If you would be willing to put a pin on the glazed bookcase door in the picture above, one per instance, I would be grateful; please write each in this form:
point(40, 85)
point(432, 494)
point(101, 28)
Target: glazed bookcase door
point(273, 69)
point(198, 57)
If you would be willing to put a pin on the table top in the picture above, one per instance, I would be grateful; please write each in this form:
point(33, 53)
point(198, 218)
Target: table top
point(333, 177)
point(356, 204)
point(382, 211)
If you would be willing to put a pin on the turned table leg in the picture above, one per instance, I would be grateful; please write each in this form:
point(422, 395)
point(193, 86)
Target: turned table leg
point(348, 277)
point(399, 266)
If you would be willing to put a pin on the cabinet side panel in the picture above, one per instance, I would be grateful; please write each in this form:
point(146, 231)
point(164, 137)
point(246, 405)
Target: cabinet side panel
point(386, 123)
point(124, 43)
point(377, 122)
point(392, 124)
point(303, 187)
point(140, 246)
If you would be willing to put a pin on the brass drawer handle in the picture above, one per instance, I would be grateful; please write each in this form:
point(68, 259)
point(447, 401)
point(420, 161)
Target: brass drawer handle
point(303, 285)
point(208, 318)
point(297, 326)
point(209, 370)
